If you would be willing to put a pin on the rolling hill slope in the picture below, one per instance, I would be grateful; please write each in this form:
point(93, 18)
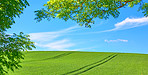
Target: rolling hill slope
point(82, 63)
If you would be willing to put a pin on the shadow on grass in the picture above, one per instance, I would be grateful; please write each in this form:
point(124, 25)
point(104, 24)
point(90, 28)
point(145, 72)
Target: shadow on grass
point(97, 64)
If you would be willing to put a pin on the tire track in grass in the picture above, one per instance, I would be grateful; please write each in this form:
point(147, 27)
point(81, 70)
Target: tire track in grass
point(54, 57)
point(97, 64)
point(59, 56)
point(87, 65)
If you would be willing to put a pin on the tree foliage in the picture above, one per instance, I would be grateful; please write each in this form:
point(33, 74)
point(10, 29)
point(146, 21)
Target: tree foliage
point(10, 9)
point(12, 45)
point(84, 11)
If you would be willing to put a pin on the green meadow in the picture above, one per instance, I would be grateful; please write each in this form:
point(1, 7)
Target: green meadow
point(82, 63)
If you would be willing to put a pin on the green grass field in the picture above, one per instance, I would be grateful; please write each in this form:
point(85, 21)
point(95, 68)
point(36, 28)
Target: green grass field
point(82, 63)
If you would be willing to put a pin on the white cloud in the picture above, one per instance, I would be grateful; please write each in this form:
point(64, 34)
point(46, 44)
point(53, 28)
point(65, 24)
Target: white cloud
point(45, 36)
point(125, 24)
point(117, 40)
point(129, 23)
point(49, 36)
point(55, 48)
point(48, 39)
point(61, 44)
point(80, 49)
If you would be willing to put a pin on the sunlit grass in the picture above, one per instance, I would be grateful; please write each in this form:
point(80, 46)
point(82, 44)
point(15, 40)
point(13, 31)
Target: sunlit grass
point(83, 63)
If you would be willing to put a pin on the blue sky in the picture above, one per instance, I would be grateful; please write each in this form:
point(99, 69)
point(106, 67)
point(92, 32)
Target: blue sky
point(127, 33)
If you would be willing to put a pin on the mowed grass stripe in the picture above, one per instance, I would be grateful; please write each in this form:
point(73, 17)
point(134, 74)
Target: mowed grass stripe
point(92, 65)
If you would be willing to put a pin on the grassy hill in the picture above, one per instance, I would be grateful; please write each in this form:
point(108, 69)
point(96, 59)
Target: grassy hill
point(82, 63)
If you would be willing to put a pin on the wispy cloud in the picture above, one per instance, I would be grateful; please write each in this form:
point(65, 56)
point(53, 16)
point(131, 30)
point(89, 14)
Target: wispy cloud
point(60, 44)
point(49, 36)
point(117, 40)
point(53, 41)
point(80, 49)
point(49, 39)
point(129, 23)
point(125, 24)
